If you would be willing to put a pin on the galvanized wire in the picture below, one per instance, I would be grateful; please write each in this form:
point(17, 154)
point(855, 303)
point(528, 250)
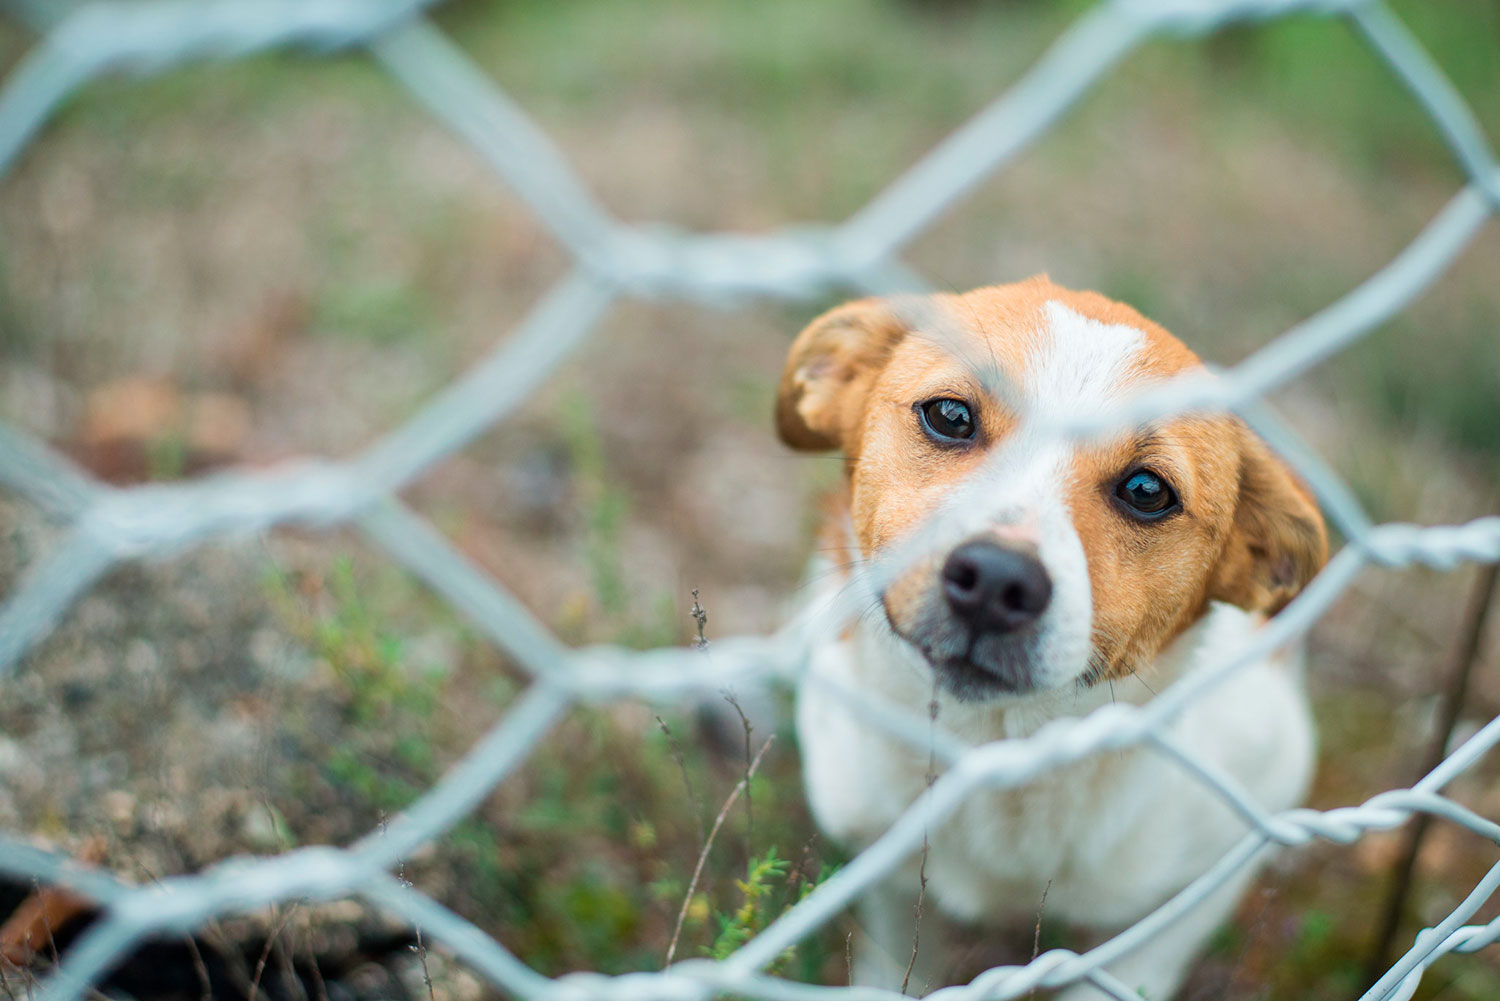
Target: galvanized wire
point(106, 525)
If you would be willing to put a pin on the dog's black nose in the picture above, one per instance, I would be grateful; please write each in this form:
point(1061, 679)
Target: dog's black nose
point(993, 588)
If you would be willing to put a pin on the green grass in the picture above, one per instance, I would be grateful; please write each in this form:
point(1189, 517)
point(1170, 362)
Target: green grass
point(831, 100)
point(801, 74)
point(1443, 382)
point(389, 701)
point(617, 611)
point(582, 859)
point(815, 83)
point(1322, 76)
point(380, 310)
point(254, 92)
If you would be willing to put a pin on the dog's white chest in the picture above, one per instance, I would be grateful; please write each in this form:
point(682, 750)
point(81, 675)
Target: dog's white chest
point(1114, 834)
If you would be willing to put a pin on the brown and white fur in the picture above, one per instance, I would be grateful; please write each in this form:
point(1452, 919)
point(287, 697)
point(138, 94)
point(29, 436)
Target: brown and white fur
point(1131, 605)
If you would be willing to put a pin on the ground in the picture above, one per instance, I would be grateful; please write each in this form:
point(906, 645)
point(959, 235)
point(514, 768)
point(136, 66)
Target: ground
point(286, 255)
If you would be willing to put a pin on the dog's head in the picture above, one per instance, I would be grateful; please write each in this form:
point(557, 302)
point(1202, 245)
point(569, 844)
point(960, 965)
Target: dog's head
point(1056, 563)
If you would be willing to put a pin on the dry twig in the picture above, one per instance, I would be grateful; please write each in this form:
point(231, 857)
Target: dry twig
point(687, 898)
point(319, 986)
point(200, 968)
point(289, 978)
point(916, 931)
point(1036, 938)
point(234, 963)
point(1471, 632)
point(733, 700)
point(700, 616)
point(5, 966)
point(421, 950)
point(260, 964)
point(694, 800)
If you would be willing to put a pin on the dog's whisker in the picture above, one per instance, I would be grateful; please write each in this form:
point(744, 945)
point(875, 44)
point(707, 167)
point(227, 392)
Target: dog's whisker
point(1136, 674)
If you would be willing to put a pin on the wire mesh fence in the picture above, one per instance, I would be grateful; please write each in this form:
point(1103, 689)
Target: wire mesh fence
point(105, 525)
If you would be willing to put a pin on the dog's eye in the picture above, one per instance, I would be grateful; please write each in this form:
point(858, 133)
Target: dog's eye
point(1147, 494)
point(947, 418)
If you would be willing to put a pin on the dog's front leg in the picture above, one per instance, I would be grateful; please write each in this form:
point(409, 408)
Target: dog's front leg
point(1156, 969)
point(890, 952)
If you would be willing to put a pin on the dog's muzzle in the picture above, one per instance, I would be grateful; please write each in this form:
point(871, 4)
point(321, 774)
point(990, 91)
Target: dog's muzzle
point(994, 592)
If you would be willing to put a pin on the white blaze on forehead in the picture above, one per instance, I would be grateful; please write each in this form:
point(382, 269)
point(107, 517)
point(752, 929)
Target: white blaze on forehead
point(1077, 365)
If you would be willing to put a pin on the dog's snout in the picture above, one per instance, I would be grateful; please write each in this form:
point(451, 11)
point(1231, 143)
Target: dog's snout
point(995, 588)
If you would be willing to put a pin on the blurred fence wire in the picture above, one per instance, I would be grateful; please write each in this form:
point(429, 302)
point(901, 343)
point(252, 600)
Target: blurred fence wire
point(106, 525)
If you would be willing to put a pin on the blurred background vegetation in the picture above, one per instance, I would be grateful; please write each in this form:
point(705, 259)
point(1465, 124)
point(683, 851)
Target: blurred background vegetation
point(248, 261)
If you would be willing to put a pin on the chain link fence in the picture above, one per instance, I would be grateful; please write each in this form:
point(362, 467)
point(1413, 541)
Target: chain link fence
point(106, 525)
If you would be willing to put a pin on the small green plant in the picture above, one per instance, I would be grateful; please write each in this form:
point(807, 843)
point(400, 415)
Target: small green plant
point(737, 926)
point(1314, 934)
point(166, 456)
point(383, 757)
point(604, 506)
point(368, 656)
point(382, 311)
point(769, 888)
point(605, 509)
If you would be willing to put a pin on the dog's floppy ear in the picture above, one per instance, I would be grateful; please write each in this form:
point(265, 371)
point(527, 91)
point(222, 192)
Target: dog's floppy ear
point(1278, 542)
point(829, 370)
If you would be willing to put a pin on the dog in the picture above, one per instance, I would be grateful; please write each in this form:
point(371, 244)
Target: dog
point(1055, 577)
